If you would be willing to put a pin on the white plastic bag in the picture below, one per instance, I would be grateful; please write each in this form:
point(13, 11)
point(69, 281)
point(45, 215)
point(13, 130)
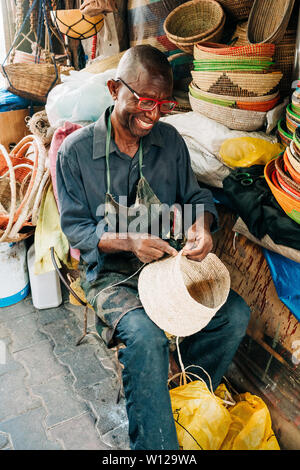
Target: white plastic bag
point(82, 96)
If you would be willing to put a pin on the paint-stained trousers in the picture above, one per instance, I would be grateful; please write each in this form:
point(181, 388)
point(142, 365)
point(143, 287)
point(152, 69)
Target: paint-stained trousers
point(146, 364)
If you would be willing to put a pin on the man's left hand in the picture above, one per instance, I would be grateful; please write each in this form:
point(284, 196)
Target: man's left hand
point(199, 240)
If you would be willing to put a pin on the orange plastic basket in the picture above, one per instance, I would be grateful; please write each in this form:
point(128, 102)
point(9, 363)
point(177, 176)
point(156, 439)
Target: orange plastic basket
point(289, 204)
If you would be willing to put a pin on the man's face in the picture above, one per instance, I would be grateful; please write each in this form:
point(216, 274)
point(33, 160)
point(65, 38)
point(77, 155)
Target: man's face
point(146, 85)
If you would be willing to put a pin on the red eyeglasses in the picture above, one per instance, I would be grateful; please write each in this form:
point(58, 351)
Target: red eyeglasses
point(148, 104)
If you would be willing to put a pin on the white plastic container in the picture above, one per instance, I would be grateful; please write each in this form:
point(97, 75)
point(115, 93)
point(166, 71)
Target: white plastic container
point(45, 288)
point(14, 282)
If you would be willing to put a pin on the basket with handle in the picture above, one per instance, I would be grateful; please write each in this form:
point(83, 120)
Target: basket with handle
point(33, 80)
point(23, 175)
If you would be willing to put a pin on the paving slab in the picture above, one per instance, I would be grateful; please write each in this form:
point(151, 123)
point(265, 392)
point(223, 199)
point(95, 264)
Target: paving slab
point(85, 366)
point(15, 396)
point(9, 363)
point(118, 438)
point(79, 434)
point(28, 433)
point(40, 363)
point(60, 400)
point(102, 397)
point(24, 331)
point(17, 310)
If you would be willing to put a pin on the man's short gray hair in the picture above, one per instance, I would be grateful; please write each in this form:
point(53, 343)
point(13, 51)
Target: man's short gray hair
point(147, 56)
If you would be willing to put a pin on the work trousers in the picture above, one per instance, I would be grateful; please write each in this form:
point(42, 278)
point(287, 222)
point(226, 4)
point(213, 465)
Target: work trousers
point(146, 364)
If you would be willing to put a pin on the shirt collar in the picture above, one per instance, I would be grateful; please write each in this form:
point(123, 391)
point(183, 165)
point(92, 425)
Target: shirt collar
point(99, 142)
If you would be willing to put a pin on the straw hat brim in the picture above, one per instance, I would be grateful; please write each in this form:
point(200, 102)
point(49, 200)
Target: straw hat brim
point(181, 296)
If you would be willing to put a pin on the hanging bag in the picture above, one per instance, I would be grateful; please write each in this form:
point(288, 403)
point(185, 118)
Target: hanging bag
point(32, 80)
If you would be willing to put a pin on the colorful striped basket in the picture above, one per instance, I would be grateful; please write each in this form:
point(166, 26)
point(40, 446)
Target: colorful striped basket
point(237, 119)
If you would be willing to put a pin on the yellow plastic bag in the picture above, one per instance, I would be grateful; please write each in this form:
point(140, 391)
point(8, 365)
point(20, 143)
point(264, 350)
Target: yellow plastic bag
point(250, 428)
point(207, 421)
point(202, 421)
point(248, 151)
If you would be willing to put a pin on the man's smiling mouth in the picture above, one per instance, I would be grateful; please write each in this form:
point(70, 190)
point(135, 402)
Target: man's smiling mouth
point(143, 124)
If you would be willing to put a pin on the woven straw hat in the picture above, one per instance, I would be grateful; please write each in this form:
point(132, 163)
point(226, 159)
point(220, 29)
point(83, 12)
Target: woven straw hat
point(181, 296)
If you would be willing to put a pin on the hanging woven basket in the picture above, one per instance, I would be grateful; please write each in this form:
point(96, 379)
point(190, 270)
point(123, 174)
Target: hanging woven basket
point(32, 80)
point(75, 25)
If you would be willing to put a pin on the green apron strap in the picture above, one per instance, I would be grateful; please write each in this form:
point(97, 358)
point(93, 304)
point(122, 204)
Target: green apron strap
point(141, 158)
point(108, 136)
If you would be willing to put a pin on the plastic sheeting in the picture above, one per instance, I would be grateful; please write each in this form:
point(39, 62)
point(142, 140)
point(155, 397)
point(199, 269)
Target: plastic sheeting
point(286, 277)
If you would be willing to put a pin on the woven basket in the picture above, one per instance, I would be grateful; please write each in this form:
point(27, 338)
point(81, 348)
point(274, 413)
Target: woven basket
point(237, 9)
point(295, 175)
point(30, 81)
point(284, 136)
point(284, 57)
point(290, 206)
point(237, 83)
point(239, 64)
point(236, 102)
point(268, 20)
point(23, 177)
point(294, 161)
point(214, 50)
point(194, 20)
point(246, 99)
point(236, 119)
point(189, 47)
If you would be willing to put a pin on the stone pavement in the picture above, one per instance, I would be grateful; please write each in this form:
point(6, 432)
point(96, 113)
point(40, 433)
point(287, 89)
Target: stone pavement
point(54, 394)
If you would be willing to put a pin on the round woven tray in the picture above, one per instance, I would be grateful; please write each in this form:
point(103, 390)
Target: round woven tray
point(236, 119)
point(237, 83)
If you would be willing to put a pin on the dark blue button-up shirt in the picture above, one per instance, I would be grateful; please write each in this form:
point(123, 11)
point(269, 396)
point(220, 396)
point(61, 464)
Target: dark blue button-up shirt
point(82, 183)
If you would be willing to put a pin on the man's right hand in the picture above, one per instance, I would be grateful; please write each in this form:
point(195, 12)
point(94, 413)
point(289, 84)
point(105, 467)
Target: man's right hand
point(148, 247)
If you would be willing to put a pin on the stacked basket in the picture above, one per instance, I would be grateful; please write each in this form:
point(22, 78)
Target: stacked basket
point(286, 126)
point(235, 86)
point(193, 22)
point(283, 178)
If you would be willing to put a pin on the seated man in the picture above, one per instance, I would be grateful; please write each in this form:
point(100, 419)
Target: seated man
point(129, 155)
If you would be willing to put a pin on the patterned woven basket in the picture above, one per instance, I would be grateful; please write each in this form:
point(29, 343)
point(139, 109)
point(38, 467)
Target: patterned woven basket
point(237, 83)
point(236, 119)
point(206, 50)
point(261, 103)
point(268, 20)
point(237, 9)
